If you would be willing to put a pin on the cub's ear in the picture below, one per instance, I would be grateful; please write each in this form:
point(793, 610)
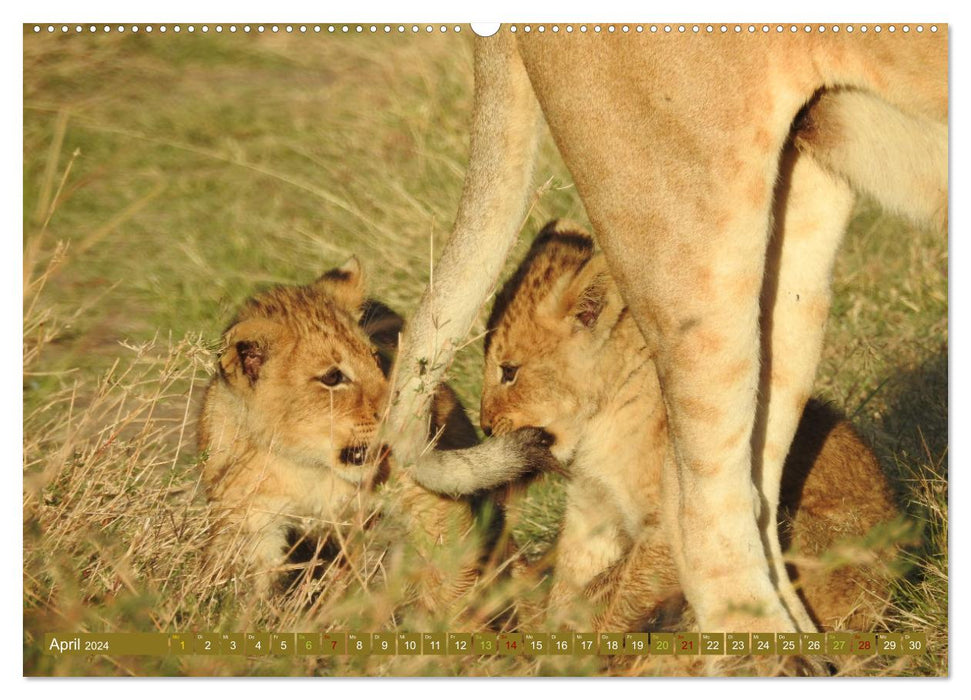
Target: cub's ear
point(246, 348)
point(591, 298)
point(345, 284)
point(564, 231)
point(383, 326)
point(559, 250)
point(560, 239)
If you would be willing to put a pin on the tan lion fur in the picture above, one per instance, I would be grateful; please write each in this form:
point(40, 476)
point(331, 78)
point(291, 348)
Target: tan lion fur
point(289, 443)
point(722, 246)
point(564, 354)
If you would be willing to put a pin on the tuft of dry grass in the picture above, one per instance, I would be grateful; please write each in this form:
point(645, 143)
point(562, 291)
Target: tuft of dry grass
point(167, 178)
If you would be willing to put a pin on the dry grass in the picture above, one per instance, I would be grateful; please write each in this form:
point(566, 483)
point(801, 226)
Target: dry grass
point(167, 178)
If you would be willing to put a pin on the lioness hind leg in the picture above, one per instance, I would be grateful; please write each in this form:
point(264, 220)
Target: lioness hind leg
point(897, 158)
point(812, 210)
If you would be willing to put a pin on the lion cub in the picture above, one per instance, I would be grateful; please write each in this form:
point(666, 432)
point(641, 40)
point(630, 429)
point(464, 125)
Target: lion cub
point(289, 421)
point(564, 354)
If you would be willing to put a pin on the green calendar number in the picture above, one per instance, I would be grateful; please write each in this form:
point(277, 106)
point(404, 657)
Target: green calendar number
point(484, 643)
point(838, 643)
point(308, 643)
point(662, 643)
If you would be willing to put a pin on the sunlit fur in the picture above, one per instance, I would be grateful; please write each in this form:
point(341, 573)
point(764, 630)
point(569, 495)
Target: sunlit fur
point(585, 375)
point(720, 239)
point(285, 451)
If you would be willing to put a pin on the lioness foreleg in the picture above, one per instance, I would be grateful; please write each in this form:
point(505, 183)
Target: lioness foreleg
point(697, 298)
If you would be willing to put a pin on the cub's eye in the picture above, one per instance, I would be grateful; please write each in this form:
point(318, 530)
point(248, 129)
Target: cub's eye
point(332, 377)
point(508, 375)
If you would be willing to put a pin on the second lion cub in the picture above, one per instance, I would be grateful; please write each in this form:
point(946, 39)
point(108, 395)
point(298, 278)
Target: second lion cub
point(564, 354)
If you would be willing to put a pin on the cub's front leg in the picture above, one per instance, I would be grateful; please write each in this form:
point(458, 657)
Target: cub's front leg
point(590, 542)
point(251, 546)
point(640, 590)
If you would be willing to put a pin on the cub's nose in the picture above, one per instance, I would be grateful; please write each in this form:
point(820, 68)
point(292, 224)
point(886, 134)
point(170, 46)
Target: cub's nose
point(486, 417)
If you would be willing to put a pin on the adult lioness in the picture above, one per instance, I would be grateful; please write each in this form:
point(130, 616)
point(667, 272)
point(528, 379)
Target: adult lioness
point(288, 426)
point(675, 142)
point(564, 354)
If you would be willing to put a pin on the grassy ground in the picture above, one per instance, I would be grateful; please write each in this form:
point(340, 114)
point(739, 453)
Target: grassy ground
point(168, 177)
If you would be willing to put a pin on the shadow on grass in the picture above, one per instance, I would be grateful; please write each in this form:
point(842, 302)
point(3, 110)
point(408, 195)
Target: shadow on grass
point(915, 434)
point(915, 426)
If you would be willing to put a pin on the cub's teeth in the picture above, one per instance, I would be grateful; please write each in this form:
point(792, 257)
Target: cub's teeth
point(356, 455)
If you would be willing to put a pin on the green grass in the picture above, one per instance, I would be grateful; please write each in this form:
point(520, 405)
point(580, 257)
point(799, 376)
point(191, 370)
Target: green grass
point(166, 178)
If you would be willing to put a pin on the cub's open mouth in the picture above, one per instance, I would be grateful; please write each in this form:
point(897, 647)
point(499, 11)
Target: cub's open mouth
point(359, 455)
point(356, 455)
